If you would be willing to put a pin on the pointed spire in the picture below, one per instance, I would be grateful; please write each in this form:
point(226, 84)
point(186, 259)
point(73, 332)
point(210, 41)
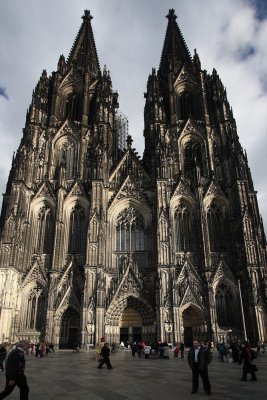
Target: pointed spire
point(83, 52)
point(175, 52)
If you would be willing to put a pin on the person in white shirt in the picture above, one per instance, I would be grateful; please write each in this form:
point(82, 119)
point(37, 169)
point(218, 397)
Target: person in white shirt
point(198, 358)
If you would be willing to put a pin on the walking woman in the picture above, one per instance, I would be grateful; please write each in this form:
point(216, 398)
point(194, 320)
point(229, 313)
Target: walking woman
point(247, 355)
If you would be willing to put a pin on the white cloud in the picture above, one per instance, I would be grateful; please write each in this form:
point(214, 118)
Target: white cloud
point(129, 38)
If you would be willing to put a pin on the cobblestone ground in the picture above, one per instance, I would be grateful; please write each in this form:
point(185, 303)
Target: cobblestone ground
point(68, 376)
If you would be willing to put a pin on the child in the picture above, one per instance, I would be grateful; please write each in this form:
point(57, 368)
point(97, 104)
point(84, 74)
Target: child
point(176, 351)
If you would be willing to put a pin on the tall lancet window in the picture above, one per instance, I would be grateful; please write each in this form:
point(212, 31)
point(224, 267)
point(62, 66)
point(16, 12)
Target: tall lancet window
point(130, 231)
point(67, 157)
point(184, 230)
point(77, 231)
point(226, 307)
point(216, 220)
point(185, 106)
point(193, 165)
point(34, 307)
point(73, 107)
point(45, 230)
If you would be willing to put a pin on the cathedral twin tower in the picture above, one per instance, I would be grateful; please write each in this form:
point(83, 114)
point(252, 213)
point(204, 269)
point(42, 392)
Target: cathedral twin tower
point(98, 242)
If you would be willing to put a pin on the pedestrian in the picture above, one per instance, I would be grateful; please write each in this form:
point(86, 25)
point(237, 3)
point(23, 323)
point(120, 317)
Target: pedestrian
point(198, 358)
point(247, 355)
point(134, 349)
point(166, 350)
point(2, 356)
point(222, 351)
point(181, 348)
point(105, 357)
point(176, 351)
point(42, 348)
point(99, 348)
point(147, 351)
point(15, 366)
point(37, 349)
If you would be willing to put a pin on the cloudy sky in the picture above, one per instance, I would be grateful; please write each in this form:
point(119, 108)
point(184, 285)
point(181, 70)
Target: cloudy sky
point(228, 35)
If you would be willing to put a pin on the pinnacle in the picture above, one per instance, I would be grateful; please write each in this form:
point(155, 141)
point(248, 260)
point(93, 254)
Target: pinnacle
point(171, 16)
point(87, 15)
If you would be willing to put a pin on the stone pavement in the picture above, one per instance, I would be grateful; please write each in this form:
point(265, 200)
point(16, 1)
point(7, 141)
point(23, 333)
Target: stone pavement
point(68, 376)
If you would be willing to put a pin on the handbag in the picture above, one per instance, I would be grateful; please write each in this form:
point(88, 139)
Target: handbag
point(253, 368)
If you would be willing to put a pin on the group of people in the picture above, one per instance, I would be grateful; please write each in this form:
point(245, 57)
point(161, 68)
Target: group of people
point(199, 357)
point(159, 349)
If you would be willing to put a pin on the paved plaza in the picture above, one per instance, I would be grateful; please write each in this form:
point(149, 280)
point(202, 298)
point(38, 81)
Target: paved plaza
point(68, 376)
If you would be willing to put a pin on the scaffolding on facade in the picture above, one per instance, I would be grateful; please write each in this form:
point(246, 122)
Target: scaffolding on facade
point(122, 125)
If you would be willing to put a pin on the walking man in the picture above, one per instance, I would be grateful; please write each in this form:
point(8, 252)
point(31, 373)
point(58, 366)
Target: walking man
point(198, 358)
point(105, 357)
point(15, 366)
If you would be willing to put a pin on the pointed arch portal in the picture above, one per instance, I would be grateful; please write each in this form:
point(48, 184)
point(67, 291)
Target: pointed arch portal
point(130, 319)
point(194, 325)
point(130, 325)
point(70, 332)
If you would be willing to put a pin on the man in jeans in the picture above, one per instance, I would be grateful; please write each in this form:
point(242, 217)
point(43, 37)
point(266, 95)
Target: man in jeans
point(15, 366)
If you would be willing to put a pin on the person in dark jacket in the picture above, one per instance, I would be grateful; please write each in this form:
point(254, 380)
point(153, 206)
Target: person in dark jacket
point(198, 358)
point(181, 348)
point(248, 356)
point(15, 366)
point(105, 357)
point(2, 356)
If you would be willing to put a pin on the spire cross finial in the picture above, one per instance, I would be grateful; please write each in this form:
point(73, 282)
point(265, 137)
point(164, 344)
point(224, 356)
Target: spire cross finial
point(87, 15)
point(171, 16)
point(129, 141)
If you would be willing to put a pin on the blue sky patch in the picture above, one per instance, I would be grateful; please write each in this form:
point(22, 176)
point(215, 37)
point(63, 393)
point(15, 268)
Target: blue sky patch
point(260, 7)
point(245, 52)
point(3, 92)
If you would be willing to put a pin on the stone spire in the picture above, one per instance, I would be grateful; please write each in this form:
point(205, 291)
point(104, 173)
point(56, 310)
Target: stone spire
point(175, 53)
point(83, 52)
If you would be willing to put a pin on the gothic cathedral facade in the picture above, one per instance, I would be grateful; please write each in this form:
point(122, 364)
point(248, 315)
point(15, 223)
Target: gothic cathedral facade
point(96, 241)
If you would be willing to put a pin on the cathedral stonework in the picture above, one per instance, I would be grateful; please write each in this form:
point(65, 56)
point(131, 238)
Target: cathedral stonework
point(96, 241)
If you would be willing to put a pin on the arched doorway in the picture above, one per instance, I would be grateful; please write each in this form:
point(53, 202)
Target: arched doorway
point(130, 326)
point(194, 326)
point(70, 332)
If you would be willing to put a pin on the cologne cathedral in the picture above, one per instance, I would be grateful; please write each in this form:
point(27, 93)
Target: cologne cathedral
point(97, 241)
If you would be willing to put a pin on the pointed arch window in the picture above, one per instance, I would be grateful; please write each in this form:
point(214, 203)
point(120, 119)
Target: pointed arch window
point(216, 221)
point(35, 309)
point(45, 229)
point(67, 157)
point(130, 231)
point(184, 232)
point(225, 306)
point(73, 106)
point(185, 106)
point(193, 164)
point(77, 231)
